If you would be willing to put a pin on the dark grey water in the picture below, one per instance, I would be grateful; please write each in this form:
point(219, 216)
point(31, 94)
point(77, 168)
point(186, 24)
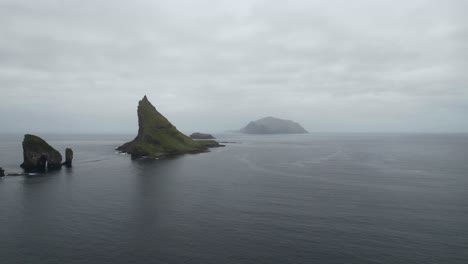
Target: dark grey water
point(268, 199)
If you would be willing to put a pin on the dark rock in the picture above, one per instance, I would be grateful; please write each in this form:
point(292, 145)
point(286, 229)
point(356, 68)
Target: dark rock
point(272, 125)
point(68, 157)
point(198, 135)
point(39, 155)
point(2, 172)
point(158, 137)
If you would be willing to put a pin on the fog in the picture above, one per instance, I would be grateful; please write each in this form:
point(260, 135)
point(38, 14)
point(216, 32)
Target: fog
point(210, 66)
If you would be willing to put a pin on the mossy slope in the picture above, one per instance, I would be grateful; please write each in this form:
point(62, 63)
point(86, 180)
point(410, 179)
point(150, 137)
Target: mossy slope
point(158, 137)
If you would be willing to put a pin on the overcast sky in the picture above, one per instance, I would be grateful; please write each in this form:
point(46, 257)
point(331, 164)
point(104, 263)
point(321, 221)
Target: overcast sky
point(210, 66)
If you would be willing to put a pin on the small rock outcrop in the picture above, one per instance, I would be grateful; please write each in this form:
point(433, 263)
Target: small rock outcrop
point(68, 157)
point(198, 135)
point(39, 155)
point(272, 125)
point(158, 137)
point(2, 172)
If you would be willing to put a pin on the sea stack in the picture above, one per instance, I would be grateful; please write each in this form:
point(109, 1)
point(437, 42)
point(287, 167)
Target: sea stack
point(157, 137)
point(68, 157)
point(198, 135)
point(273, 125)
point(39, 155)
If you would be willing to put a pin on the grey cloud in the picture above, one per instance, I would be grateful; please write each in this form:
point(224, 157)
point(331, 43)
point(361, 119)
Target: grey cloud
point(215, 65)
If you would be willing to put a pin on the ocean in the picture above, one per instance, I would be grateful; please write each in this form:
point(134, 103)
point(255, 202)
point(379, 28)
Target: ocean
point(317, 198)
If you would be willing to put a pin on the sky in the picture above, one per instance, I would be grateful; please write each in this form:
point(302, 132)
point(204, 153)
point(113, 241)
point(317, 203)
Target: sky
point(333, 66)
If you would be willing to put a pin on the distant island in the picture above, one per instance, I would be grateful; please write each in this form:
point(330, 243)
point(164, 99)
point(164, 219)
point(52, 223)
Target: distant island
point(157, 137)
point(273, 125)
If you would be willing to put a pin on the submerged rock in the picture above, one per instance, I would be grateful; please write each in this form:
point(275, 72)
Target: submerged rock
point(198, 135)
point(68, 157)
point(39, 155)
point(272, 125)
point(2, 172)
point(158, 137)
point(19, 174)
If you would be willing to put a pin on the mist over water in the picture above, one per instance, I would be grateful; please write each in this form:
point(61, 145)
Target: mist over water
point(318, 198)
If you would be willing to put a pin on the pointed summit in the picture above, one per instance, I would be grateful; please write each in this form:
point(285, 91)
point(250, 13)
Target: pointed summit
point(158, 137)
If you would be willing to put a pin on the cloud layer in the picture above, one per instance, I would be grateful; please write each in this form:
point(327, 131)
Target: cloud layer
point(341, 66)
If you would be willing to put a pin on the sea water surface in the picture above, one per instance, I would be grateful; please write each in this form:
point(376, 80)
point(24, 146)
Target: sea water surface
point(318, 198)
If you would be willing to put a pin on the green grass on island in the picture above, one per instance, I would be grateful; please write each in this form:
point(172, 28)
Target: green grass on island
point(158, 137)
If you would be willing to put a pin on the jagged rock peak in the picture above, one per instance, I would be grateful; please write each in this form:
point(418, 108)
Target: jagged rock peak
point(158, 137)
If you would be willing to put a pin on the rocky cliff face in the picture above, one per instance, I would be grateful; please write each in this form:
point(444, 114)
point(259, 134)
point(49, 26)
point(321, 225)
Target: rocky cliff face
point(158, 137)
point(272, 125)
point(39, 155)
